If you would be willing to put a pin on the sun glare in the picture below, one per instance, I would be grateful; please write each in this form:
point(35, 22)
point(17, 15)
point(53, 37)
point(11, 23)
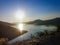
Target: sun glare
point(20, 27)
point(20, 14)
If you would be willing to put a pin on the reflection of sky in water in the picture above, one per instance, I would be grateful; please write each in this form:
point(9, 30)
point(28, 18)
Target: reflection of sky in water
point(33, 30)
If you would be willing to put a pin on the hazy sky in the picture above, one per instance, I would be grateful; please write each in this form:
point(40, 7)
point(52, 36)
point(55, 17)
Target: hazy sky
point(34, 9)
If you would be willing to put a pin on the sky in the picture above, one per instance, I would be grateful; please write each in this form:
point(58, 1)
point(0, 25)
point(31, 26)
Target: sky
point(33, 9)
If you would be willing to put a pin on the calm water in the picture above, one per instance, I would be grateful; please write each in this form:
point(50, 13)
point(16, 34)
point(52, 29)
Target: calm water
point(32, 29)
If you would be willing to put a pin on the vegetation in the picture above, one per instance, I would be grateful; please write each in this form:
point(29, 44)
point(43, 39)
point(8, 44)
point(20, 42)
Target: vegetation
point(43, 38)
point(3, 41)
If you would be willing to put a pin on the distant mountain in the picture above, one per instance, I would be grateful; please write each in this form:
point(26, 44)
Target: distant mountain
point(6, 31)
point(55, 21)
point(38, 21)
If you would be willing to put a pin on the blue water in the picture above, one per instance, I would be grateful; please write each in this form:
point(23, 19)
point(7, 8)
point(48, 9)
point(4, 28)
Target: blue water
point(32, 29)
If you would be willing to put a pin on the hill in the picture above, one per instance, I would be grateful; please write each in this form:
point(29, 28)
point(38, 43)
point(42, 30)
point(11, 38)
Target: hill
point(6, 31)
point(55, 21)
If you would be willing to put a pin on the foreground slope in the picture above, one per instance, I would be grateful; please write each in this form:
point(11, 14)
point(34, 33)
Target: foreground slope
point(6, 31)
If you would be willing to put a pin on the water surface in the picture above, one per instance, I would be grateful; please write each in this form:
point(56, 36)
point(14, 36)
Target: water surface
point(32, 29)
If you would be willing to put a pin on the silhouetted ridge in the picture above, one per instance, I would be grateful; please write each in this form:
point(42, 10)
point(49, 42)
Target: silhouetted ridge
point(55, 21)
point(5, 23)
point(38, 21)
point(6, 31)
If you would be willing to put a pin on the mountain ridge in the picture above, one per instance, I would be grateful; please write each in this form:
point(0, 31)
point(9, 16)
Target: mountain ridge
point(55, 21)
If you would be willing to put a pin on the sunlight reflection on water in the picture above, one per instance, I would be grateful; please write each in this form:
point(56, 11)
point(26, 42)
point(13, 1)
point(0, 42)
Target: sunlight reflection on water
point(20, 27)
point(33, 30)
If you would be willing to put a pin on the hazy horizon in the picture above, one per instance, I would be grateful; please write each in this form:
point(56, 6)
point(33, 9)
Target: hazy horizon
point(32, 9)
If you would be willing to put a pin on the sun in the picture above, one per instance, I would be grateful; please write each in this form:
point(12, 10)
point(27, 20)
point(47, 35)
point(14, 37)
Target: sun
point(20, 14)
